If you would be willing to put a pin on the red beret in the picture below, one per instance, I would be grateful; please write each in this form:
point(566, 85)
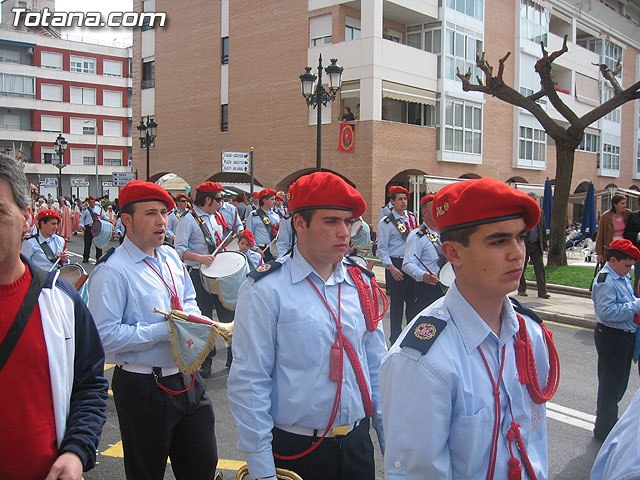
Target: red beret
point(478, 201)
point(267, 192)
point(397, 189)
point(325, 190)
point(248, 234)
point(182, 195)
point(209, 187)
point(139, 191)
point(427, 198)
point(279, 197)
point(622, 245)
point(91, 197)
point(44, 214)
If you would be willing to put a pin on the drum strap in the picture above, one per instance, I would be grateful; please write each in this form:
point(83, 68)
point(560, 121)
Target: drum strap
point(436, 243)
point(402, 228)
point(271, 228)
point(211, 244)
point(48, 252)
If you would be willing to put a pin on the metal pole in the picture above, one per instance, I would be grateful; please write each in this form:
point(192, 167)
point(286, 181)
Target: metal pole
point(319, 91)
point(95, 124)
point(147, 139)
point(60, 179)
point(251, 186)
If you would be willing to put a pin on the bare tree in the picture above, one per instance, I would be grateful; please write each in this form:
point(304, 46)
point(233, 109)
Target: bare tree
point(566, 139)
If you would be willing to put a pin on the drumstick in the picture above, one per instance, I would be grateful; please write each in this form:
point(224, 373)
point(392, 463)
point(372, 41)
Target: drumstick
point(54, 264)
point(442, 287)
point(221, 244)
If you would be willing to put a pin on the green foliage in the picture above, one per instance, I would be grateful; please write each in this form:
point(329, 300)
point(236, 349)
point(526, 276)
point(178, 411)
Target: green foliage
point(568, 275)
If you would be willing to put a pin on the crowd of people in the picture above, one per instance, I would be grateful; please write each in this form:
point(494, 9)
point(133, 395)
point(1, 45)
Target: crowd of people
point(460, 392)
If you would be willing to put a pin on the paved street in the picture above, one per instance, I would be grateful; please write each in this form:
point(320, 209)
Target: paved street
point(571, 445)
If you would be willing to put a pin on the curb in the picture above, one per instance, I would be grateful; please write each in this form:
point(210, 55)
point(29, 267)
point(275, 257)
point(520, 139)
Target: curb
point(566, 319)
point(580, 292)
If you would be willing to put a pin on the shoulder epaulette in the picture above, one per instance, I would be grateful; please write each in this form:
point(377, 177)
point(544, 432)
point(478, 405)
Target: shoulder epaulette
point(287, 216)
point(424, 334)
point(525, 310)
point(421, 232)
point(602, 277)
point(353, 263)
point(264, 270)
point(29, 237)
point(105, 256)
point(387, 219)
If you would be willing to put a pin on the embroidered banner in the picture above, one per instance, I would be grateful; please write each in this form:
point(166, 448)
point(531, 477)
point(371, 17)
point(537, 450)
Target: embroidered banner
point(347, 137)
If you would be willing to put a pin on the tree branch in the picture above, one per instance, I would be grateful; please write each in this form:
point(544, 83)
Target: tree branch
point(501, 67)
point(557, 53)
point(631, 93)
point(536, 96)
point(610, 75)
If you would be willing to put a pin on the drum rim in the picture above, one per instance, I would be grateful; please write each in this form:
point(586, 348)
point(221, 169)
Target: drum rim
point(203, 268)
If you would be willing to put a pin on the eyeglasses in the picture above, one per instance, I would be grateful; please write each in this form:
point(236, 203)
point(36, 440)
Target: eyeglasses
point(218, 199)
point(182, 200)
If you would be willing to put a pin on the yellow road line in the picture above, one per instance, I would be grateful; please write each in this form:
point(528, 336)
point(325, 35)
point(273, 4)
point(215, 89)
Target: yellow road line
point(107, 366)
point(575, 327)
point(223, 464)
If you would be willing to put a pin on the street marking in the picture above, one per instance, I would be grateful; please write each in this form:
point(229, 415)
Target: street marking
point(107, 366)
point(80, 256)
point(570, 411)
point(575, 327)
point(570, 416)
point(117, 451)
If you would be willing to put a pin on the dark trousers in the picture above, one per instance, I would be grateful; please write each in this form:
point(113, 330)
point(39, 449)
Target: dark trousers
point(401, 295)
point(425, 295)
point(636, 277)
point(615, 351)
point(337, 458)
point(88, 237)
point(535, 254)
point(155, 425)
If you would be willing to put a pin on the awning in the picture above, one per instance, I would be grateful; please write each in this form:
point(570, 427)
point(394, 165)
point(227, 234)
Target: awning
point(587, 90)
point(627, 191)
point(561, 16)
point(18, 44)
point(406, 93)
point(350, 90)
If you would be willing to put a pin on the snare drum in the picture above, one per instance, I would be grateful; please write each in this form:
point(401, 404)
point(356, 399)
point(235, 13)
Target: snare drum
point(272, 248)
point(232, 244)
point(360, 233)
point(224, 277)
point(447, 276)
point(101, 231)
point(77, 276)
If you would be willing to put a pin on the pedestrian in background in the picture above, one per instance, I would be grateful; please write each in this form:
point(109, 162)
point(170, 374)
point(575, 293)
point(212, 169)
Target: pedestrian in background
point(611, 225)
point(632, 232)
point(536, 244)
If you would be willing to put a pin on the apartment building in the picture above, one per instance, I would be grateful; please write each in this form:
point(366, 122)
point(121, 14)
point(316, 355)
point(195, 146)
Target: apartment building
point(223, 77)
point(50, 86)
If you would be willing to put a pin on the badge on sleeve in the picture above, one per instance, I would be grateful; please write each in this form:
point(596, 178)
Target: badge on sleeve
point(424, 333)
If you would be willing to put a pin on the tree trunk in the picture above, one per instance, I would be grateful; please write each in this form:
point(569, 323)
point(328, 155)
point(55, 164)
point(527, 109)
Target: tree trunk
point(564, 174)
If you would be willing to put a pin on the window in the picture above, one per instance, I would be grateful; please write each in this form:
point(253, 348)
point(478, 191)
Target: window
point(148, 74)
point(462, 47)
point(111, 98)
point(225, 50)
point(50, 60)
point(112, 158)
point(9, 56)
point(50, 124)
point(610, 157)
point(612, 53)
point(534, 22)
point(83, 64)
point(51, 92)
point(533, 145)
point(593, 44)
point(112, 68)
point(84, 96)
point(421, 114)
point(49, 155)
point(615, 115)
point(224, 118)
point(10, 122)
point(473, 8)
point(638, 157)
point(81, 156)
point(83, 126)
point(351, 28)
point(463, 127)
point(320, 30)
point(17, 85)
point(111, 128)
point(590, 143)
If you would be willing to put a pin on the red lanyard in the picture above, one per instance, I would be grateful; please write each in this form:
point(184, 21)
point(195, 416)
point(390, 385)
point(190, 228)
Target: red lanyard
point(175, 300)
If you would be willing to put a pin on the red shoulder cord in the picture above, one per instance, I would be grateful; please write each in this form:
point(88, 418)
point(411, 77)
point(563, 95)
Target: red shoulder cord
point(221, 221)
point(369, 299)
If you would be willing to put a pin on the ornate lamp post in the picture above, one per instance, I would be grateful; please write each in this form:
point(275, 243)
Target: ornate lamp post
point(60, 146)
point(147, 135)
point(316, 96)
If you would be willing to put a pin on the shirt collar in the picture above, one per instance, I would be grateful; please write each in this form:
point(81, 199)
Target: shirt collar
point(301, 269)
point(134, 252)
point(473, 329)
point(42, 239)
point(612, 272)
point(199, 212)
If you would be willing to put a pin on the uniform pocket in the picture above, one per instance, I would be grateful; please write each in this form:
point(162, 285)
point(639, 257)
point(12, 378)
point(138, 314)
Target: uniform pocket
point(299, 345)
point(470, 442)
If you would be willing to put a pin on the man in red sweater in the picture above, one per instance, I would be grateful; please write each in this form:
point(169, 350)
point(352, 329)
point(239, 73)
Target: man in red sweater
point(53, 400)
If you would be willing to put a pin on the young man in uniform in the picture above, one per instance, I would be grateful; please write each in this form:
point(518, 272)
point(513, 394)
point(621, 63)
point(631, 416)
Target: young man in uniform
point(197, 237)
point(263, 222)
point(229, 218)
point(89, 215)
point(306, 357)
point(46, 246)
point(423, 258)
point(393, 231)
point(161, 412)
point(176, 214)
point(457, 401)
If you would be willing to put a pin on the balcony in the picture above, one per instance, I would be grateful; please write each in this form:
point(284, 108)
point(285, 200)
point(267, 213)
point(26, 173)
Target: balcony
point(401, 11)
point(577, 58)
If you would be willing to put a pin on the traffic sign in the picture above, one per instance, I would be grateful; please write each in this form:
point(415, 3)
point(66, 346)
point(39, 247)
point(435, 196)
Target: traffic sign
point(237, 162)
point(78, 182)
point(120, 179)
point(51, 182)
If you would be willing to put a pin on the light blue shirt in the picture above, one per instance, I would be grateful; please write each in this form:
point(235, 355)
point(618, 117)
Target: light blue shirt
point(33, 251)
point(426, 251)
point(189, 236)
point(619, 456)
point(254, 257)
point(85, 216)
point(230, 214)
point(613, 300)
point(282, 338)
point(438, 408)
point(123, 292)
point(384, 211)
point(172, 224)
point(119, 227)
point(283, 244)
point(259, 229)
point(391, 242)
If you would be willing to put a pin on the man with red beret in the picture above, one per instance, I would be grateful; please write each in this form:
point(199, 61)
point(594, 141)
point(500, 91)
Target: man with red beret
point(616, 309)
point(88, 217)
point(46, 248)
point(263, 222)
point(307, 346)
point(198, 235)
point(423, 259)
point(482, 407)
point(393, 231)
point(279, 206)
point(161, 412)
point(182, 207)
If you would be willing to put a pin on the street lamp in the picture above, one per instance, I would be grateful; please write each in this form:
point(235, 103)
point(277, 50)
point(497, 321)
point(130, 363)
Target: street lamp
point(147, 135)
point(60, 146)
point(320, 96)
